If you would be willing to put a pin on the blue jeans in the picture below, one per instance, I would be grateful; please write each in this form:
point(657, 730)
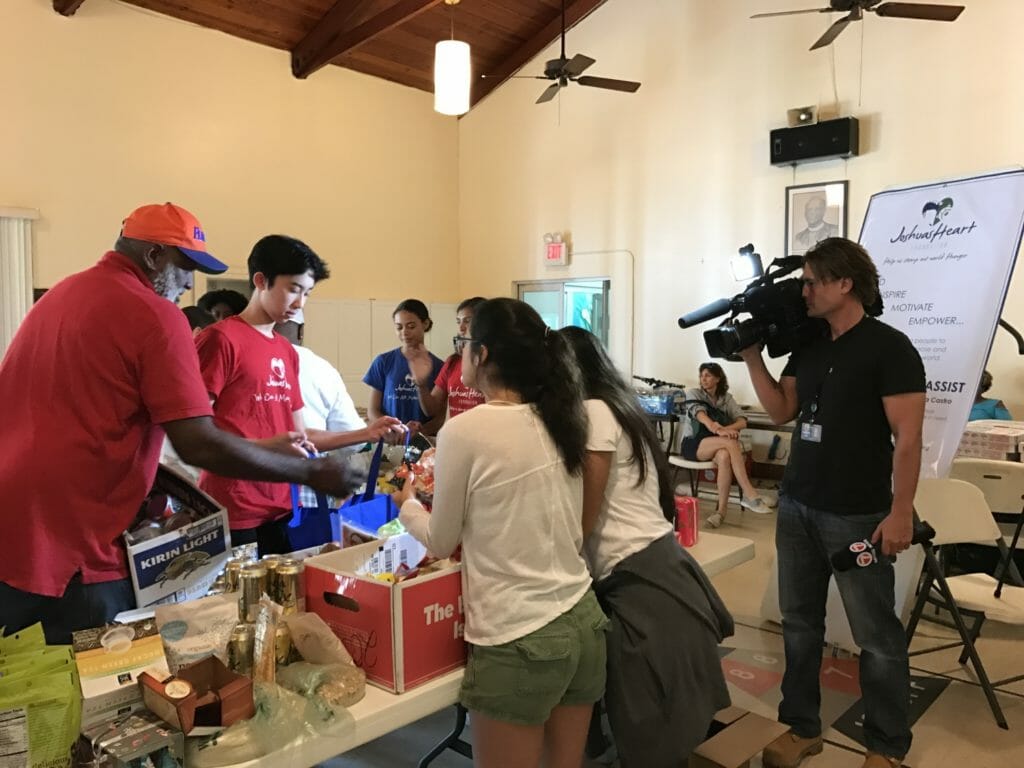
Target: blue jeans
point(82, 606)
point(805, 539)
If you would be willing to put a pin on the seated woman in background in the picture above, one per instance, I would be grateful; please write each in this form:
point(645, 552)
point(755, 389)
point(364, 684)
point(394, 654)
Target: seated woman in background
point(445, 391)
point(394, 388)
point(508, 486)
point(711, 433)
point(987, 408)
point(665, 680)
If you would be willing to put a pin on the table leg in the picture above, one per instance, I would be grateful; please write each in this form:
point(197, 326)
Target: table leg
point(452, 741)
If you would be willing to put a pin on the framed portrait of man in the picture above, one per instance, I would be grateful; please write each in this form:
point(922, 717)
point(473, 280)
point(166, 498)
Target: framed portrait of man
point(814, 212)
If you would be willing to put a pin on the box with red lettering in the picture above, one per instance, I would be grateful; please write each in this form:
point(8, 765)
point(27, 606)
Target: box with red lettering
point(403, 633)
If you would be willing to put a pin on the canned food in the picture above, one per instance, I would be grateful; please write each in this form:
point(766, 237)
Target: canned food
point(252, 585)
point(232, 569)
point(240, 649)
point(291, 592)
point(282, 644)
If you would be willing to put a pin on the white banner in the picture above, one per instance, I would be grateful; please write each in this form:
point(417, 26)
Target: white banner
point(945, 253)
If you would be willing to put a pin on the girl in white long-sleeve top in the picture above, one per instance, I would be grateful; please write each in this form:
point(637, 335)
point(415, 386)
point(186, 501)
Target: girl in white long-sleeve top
point(508, 486)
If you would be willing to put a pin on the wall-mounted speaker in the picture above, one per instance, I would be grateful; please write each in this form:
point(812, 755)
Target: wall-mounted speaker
point(818, 141)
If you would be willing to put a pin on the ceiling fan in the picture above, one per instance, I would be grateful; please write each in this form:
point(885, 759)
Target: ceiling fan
point(856, 8)
point(563, 71)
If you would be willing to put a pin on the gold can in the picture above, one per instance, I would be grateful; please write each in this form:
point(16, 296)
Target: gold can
point(240, 649)
point(282, 644)
point(291, 588)
point(252, 584)
point(270, 562)
point(232, 570)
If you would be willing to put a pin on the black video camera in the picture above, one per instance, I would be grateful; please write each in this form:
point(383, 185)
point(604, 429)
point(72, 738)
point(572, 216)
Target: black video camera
point(778, 314)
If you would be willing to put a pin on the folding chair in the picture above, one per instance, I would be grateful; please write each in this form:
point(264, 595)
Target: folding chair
point(1002, 482)
point(959, 514)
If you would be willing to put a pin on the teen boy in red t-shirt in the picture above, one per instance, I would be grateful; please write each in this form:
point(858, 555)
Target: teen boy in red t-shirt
point(252, 376)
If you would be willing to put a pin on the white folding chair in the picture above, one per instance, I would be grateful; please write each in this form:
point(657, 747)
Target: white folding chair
point(959, 514)
point(1002, 482)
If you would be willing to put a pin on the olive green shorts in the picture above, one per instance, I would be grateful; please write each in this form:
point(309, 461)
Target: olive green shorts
point(562, 663)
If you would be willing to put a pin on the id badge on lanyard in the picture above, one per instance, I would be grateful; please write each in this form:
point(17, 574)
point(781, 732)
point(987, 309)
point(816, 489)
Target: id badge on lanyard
point(809, 430)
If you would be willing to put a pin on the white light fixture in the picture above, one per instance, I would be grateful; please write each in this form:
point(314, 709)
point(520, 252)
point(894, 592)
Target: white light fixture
point(452, 74)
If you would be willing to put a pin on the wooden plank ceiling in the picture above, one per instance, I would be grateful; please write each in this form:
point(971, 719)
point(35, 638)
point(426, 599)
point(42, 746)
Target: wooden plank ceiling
point(390, 39)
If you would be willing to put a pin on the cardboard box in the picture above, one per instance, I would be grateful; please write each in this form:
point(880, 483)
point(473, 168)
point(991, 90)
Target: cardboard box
point(204, 694)
point(183, 564)
point(403, 634)
point(115, 744)
point(109, 661)
point(736, 736)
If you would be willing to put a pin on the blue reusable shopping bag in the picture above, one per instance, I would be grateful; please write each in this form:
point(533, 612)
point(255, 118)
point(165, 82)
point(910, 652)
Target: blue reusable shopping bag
point(370, 510)
point(314, 520)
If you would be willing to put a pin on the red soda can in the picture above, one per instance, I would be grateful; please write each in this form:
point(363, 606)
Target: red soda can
point(686, 520)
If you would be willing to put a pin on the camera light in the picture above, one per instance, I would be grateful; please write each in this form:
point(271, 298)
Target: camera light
point(746, 266)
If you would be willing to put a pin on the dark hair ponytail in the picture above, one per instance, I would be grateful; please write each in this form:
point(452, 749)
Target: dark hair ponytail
point(526, 356)
point(601, 381)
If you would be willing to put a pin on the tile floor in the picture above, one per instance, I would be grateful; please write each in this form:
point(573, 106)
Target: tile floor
point(957, 730)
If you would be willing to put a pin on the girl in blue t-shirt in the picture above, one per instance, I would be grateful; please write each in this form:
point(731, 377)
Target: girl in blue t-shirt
point(394, 387)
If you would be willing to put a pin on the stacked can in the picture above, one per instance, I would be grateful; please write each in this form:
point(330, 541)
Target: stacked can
point(289, 589)
point(240, 649)
point(252, 583)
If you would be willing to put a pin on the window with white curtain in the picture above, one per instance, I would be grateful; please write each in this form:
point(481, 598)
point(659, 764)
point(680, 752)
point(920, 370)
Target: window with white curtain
point(15, 270)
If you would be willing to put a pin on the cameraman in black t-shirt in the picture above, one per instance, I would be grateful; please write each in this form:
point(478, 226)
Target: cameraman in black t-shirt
point(858, 397)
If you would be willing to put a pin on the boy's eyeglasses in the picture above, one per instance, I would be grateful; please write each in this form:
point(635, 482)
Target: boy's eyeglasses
point(458, 340)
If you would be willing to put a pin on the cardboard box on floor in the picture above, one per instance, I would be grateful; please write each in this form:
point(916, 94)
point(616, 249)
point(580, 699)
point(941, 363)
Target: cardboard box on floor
point(738, 735)
point(183, 564)
point(403, 634)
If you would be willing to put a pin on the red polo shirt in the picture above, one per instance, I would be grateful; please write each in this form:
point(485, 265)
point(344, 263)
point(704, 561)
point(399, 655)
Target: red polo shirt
point(97, 363)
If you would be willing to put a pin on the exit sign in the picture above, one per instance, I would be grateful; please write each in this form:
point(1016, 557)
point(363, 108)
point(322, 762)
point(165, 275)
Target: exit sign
point(556, 254)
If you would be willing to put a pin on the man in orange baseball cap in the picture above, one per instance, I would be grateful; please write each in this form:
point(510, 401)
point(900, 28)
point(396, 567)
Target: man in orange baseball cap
point(171, 225)
point(99, 370)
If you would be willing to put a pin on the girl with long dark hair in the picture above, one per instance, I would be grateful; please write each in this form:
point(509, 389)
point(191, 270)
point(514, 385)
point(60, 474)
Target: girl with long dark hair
point(665, 681)
point(508, 485)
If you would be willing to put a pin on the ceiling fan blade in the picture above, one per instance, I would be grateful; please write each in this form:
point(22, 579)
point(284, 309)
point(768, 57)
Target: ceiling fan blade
point(549, 93)
point(792, 13)
point(627, 86)
point(927, 11)
point(577, 64)
point(833, 32)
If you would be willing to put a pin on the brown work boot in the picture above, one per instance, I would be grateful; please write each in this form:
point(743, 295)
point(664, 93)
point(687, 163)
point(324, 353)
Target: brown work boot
point(789, 750)
point(875, 760)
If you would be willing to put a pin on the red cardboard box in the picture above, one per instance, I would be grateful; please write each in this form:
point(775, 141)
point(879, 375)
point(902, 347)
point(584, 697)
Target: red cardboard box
point(403, 634)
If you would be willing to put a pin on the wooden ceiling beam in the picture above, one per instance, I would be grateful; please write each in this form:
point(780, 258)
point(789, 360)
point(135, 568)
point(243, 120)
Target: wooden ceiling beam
point(67, 7)
point(574, 13)
point(335, 35)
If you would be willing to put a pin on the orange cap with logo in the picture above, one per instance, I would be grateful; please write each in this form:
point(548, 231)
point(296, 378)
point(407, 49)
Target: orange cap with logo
point(169, 224)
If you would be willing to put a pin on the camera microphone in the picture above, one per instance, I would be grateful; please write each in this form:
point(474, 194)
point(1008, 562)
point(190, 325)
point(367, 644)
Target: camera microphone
point(709, 312)
point(863, 553)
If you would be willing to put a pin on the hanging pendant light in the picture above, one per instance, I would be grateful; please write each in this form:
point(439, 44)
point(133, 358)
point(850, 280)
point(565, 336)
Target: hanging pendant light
point(451, 74)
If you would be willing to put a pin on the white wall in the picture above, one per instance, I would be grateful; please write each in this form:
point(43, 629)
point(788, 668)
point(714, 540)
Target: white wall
point(678, 173)
point(116, 107)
